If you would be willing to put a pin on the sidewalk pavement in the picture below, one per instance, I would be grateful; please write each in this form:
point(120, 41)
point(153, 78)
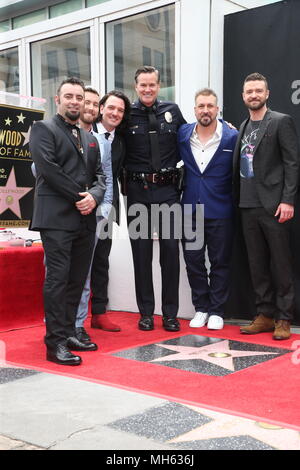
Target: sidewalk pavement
point(42, 411)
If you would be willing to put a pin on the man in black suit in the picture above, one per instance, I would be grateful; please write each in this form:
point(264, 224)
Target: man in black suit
point(69, 185)
point(265, 178)
point(114, 114)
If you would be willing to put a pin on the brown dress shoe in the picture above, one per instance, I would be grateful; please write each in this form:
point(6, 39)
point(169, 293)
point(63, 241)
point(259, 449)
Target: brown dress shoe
point(102, 322)
point(282, 330)
point(261, 324)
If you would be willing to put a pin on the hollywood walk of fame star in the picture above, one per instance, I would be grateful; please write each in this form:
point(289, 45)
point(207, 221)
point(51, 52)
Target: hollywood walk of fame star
point(218, 354)
point(21, 118)
point(8, 121)
point(225, 425)
point(27, 136)
point(10, 195)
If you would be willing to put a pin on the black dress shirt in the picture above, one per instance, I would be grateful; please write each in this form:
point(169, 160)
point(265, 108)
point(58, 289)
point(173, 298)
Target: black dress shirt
point(138, 148)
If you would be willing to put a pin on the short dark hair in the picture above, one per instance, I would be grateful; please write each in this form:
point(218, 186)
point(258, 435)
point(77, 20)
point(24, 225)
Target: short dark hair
point(206, 92)
point(256, 77)
point(146, 69)
point(118, 94)
point(89, 89)
point(72, 81)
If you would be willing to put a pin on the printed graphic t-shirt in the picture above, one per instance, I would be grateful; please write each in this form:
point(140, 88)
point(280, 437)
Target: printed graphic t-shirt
point(248, 193)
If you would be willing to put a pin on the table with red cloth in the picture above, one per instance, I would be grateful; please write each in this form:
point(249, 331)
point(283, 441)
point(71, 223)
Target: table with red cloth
point(22, 275)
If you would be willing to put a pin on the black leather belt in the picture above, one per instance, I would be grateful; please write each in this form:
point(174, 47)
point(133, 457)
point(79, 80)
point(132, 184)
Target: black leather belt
point(163, 177)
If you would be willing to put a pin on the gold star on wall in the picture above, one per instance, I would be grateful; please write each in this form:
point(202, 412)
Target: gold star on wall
point(8, 121)
point(21, 118)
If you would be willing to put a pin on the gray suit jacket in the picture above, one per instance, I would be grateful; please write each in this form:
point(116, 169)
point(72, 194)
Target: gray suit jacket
point(275, 162)
point(62, 173)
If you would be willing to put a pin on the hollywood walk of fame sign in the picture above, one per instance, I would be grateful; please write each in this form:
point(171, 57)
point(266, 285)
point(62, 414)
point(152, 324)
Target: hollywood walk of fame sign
point(16, 179)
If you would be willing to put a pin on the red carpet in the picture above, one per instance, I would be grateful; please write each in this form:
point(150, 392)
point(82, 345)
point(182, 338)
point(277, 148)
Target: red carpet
point(265, 392)
point(21, 278)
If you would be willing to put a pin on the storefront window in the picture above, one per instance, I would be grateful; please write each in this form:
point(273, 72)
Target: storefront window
point(91, 3)
point(53, 60)
point(9, 70)
point(144, 39)
point(4, 26)
point(29, 18)
point(66, 7)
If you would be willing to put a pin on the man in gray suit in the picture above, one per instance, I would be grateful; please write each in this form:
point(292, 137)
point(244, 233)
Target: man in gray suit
point(69, 185)
point(265, 178)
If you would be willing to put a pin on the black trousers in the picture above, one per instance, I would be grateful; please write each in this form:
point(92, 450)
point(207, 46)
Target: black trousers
point(99, 275)
point(151, 200)
point(270, 262)
point(68, 257)
point(210, 291)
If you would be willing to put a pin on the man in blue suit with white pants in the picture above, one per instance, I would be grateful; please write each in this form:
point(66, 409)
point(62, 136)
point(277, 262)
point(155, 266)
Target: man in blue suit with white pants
point(206, 148)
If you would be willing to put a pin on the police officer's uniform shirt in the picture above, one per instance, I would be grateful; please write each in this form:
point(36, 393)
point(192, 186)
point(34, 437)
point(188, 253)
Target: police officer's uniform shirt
point(203, 153)
point(138, 148)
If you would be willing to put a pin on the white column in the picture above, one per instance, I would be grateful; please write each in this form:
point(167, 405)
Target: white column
point(194, 53)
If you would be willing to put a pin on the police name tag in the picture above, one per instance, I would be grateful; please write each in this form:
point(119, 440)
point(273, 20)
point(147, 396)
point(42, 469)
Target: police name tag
point(168, 117)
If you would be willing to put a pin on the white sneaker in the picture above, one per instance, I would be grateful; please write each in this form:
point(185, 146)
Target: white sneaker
point(199, 320)
point(215, 323)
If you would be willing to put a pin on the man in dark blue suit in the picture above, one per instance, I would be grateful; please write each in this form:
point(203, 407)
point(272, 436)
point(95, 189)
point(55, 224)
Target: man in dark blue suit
point(206, 148)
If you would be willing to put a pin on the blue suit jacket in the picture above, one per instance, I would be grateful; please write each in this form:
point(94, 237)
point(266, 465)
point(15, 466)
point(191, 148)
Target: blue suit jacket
point(213, 187)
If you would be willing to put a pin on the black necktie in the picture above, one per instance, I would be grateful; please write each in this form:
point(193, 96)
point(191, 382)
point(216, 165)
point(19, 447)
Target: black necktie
point(154, 144)
point(107, 135)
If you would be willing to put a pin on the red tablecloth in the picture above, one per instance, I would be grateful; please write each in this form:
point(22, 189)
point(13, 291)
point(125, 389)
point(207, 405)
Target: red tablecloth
point(21, 286)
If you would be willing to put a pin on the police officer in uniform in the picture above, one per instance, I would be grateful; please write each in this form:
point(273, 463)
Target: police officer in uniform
point(151, 179)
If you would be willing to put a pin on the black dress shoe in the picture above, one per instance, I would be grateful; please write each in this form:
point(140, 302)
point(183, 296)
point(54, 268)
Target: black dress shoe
point(171, 324)
point(146, 323)
point(82, 335)
point(75, 345)
point(62, 355)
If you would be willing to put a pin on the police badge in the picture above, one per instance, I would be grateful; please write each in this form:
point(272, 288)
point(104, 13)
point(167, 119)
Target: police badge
point(168, 117)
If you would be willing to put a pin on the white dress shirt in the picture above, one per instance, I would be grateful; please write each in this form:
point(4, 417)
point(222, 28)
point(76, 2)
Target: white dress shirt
point(101, 130)
point(203, 153)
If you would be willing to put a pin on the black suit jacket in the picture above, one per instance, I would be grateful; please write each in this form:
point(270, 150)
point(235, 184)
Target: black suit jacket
point(117, 156)
point(62, 173)
point(275, 161)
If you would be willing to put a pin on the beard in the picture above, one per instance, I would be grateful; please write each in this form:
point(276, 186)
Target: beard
point(73, 116)
point(87, 118)
point(257, 105)
point(205, 121)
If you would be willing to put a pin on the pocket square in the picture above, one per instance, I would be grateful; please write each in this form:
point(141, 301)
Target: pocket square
point(92, 144)
point(227, 150)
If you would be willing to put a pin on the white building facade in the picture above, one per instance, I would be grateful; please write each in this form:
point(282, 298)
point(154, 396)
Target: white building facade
point(103, 42)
